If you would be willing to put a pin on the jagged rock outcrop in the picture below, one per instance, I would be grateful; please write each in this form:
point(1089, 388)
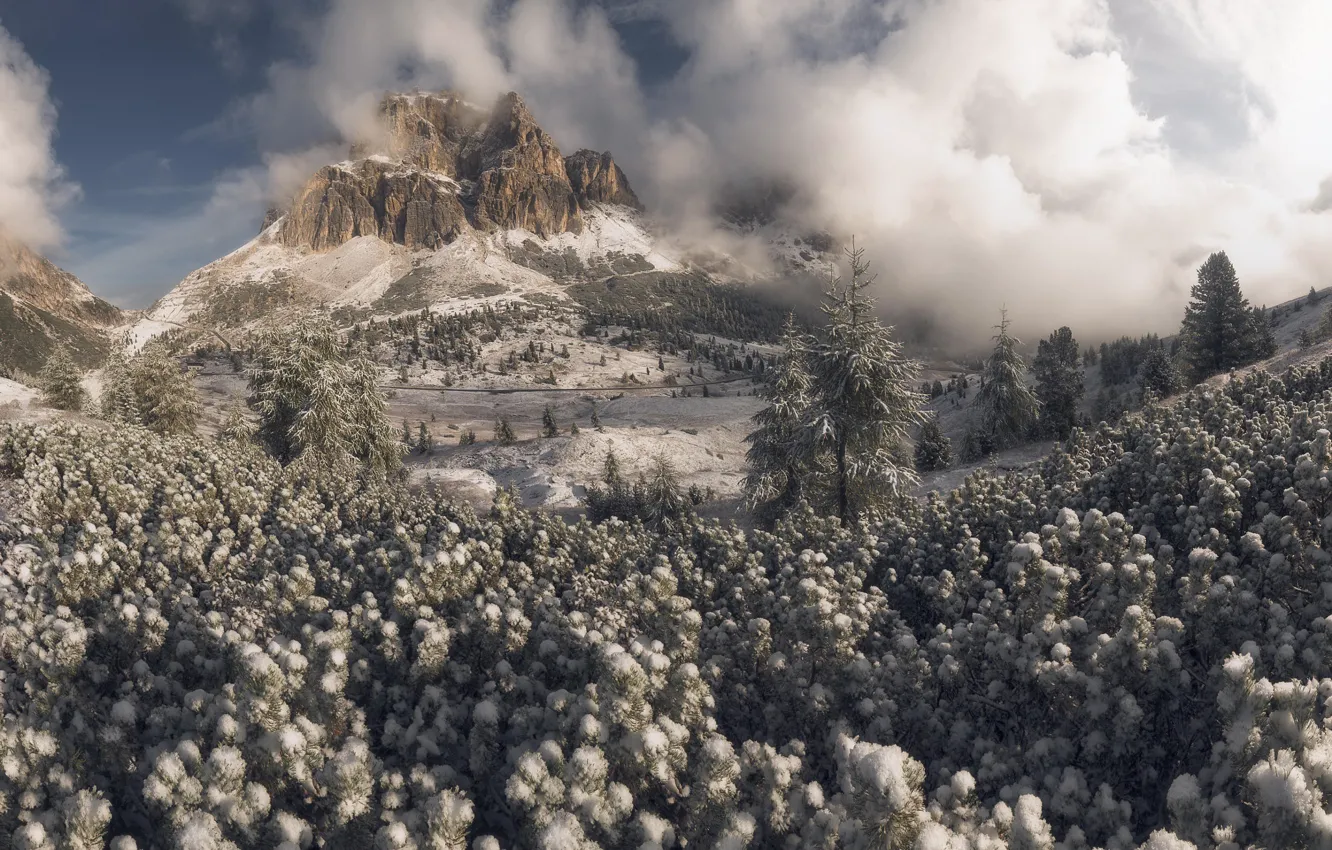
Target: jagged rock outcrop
point(42, 305)
point(429, 132)
point(520, 175)
point(373, 198)
point(446, 166)
point(595, 177)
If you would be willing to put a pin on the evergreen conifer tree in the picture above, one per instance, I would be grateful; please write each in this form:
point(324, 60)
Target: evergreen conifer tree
point(863, 404)
point(663, 498)
point(167, 399)
point(1220, 330)
point(320, 404)
point(504, 432)
point(60, 381)
point(424, 441)
point(1158, 374)
point(117, 403)
point(1059, 383)
point(775, 474)
point(371, 432)
point(1306, 339)
point(933, 448)
point(236, 427)
point(549, 428)
point(610, 471)
point(1005, 406)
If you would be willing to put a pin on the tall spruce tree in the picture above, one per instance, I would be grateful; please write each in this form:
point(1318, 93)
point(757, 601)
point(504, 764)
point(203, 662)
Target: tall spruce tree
point(863, 405)
point(1158, 374)
point(776, 477)
point(1059, 383)
point(60, 381)
point(1005, 406)
point(167, 399)
point(118, 403)
point(1220, 330)
point(319, 405)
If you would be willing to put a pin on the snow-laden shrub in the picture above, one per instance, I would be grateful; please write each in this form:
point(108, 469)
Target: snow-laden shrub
point(1130, 646)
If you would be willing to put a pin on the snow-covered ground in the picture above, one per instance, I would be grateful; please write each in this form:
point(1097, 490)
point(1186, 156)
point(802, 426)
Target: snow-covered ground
point(472, 271)
point(607, 229)
point(14, 395)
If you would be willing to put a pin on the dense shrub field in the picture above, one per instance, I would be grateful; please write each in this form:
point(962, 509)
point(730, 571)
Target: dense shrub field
point(1131, 646)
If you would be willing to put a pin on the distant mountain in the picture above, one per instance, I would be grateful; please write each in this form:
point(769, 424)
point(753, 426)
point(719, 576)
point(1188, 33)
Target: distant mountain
point(42, 305)
point(451, 204)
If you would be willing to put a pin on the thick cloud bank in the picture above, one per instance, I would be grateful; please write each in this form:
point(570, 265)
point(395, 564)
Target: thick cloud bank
point(32, 184)
point(1074, 160)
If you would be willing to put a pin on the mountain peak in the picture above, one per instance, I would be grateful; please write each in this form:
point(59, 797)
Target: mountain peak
point(443, 165)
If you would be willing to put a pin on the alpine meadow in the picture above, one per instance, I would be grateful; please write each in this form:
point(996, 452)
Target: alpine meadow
point(915, 435)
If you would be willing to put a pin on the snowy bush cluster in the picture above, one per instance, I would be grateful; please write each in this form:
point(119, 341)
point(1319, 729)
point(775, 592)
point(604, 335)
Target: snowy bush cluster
point(1129, 647)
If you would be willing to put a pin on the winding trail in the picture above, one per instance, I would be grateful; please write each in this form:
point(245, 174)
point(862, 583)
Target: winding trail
point(517, 390)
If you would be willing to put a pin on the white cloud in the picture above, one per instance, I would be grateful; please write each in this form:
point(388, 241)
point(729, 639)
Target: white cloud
point(1074, 159)
point(32, 183)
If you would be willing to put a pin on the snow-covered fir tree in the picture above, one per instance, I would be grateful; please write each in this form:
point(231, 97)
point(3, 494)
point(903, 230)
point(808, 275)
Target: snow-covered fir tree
point(1059, 383)
point(1158, 374)
point(863, 404)
point(775, 479)
point(1005, 408)
point(117, 402)
point(934, 451)
point(320, 405)
point(236, 427)
point(60, 381)
point(165, 393)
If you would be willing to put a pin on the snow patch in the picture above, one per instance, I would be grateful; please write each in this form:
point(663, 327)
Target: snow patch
point(607, 228)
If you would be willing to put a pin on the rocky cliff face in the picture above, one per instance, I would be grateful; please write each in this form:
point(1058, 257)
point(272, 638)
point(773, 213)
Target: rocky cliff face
point(595, 177)
point(374, 198)
point(445, 166)
point(42, 305)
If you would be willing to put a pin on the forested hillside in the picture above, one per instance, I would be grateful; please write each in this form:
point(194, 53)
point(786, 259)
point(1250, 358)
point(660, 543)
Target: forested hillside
point(1128, 645)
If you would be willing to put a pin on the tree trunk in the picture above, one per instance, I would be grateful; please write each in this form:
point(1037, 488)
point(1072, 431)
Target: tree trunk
point(843, 496)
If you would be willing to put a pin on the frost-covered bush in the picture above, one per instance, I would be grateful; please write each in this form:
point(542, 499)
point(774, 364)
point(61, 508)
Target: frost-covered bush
point(1128, 647)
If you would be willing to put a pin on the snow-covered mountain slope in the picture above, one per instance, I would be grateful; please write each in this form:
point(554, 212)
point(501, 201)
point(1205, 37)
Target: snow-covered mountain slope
point(267, 281)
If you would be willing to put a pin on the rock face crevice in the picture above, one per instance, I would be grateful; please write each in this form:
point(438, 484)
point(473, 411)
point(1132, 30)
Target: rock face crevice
point(447, 166)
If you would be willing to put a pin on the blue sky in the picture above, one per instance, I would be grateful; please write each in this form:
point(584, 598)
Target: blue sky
point(1071, 159)
point(134, 82)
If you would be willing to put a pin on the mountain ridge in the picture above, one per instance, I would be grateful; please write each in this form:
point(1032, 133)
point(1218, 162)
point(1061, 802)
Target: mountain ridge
point(42, 306)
